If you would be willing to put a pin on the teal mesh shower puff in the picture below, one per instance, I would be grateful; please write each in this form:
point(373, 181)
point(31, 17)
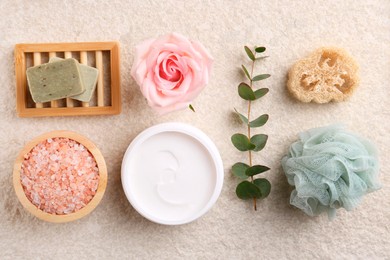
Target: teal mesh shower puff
point(330, 168)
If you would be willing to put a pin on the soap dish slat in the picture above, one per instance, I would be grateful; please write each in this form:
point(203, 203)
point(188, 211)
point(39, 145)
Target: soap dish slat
point(102, 55)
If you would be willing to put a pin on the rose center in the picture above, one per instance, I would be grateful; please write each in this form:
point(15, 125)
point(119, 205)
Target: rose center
point(170, 70)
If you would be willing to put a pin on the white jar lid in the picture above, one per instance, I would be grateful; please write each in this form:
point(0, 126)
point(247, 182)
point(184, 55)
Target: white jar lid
point(172, 173)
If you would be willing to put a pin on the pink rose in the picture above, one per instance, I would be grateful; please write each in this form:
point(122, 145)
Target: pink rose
point(171, 71)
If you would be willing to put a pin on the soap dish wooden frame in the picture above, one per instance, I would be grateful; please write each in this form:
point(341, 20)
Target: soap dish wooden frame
point(22, 92)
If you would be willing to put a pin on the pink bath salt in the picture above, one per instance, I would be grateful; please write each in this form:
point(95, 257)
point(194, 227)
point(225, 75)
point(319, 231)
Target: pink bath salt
point(59, 176)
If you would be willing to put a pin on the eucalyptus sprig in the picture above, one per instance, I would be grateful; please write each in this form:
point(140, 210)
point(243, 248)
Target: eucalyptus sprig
point(251, 188)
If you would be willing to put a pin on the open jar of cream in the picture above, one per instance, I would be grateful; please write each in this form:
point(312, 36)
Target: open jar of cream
point(60, 176)
point(172, 173)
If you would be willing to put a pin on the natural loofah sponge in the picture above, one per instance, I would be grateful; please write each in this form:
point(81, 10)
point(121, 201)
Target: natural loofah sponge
point(330, 168)
point(327, 74)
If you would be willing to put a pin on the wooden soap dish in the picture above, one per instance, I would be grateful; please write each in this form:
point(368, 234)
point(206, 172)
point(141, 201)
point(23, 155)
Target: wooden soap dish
point(72, 216)
point(102, 55)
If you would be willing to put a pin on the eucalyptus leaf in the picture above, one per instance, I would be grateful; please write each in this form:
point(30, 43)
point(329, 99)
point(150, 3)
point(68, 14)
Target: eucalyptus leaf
point(261, 77)
point(238, 170)
point(246, 72)
point(261, 92)
point(242, 143)
point(260, 121)
point(191, 107)
point(256, 169)
point(264, 186)
point(254, 188)
point(263, 57)
point(242, 117)
point(249, 53)
point(246, 92)
point(247, 190)
point(259, 141)
point(260, 49)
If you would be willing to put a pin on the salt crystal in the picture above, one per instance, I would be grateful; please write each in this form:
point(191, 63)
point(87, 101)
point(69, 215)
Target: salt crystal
point(48, 176)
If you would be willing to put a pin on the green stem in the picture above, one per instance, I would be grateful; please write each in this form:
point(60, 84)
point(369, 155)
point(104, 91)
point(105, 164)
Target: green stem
point(249, 128)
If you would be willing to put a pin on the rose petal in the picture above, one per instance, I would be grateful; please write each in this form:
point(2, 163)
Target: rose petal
point(165, 81)
point(141, 51)
point(140, 73)
point(182, 89)
point(170, 108)
point(173, 71)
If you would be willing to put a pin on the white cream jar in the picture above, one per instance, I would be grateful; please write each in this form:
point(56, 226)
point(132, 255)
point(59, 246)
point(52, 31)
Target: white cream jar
point(172, 173)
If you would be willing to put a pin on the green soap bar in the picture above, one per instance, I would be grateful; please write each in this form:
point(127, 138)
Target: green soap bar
point(51, 81)
point(89, 77)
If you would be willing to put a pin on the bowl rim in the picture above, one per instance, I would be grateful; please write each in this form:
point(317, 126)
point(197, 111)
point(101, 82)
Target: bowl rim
point(192, 132)
point(30, 207)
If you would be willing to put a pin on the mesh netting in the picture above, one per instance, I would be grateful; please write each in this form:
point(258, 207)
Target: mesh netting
point(330, 168)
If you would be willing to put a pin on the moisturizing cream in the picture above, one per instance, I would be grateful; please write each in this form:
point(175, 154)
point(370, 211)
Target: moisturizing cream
point(172, 173)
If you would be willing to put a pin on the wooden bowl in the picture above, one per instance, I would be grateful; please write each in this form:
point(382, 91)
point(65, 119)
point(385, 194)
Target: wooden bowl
point(101, 164)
